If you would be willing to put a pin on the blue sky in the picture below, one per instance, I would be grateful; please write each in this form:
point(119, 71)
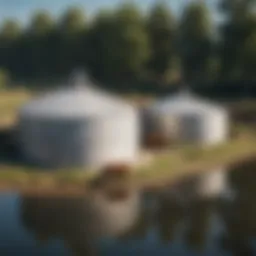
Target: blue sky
point(22, 9)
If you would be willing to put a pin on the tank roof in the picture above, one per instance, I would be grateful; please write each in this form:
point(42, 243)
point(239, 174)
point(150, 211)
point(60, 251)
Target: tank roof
point(81, 100)
point(185, 102)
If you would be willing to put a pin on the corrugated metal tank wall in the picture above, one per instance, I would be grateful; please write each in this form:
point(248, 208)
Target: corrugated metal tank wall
point(92, 142)
point(51, 142)
point(111, 139)
point(206, 128)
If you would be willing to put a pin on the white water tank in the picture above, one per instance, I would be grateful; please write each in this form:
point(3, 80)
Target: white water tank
point(79, 126)
point(188, 119)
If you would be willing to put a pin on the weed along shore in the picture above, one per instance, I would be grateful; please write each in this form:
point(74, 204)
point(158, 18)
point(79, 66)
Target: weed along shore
point(164, 168)
point(154, 180)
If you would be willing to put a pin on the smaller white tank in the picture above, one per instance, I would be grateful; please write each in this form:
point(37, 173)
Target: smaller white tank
point(187, 119)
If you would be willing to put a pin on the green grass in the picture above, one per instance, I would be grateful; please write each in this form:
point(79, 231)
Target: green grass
point(165, 167)
point(30, 176)
point(10, 101)
point(242, 105)
point(188, 160)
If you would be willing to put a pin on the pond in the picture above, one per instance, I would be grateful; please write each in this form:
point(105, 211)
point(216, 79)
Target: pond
point(211, 214)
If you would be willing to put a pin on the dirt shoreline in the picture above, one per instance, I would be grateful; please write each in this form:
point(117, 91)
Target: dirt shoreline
point(172, 181)
point(147, 185)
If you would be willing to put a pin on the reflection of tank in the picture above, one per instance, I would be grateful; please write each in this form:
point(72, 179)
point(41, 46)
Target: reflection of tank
point(240, 215)
point(67, 219)
point(141, 227)
point(199, 224)
point(114, 217)
point(81, 221)
point(169, 216)
point(210, 184)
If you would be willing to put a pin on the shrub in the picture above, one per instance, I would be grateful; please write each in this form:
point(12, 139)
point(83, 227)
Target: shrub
point(4, 78)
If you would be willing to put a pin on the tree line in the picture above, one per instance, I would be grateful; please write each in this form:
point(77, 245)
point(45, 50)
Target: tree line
point(126, 46)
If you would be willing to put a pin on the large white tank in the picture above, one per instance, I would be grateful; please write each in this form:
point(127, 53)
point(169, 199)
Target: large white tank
point(79, 126)
point(188, 119)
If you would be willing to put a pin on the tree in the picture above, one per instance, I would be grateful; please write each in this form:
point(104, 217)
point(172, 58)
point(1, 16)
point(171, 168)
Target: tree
point(10, 30)
point(162, 33)
point(231, 7)
point(238, 39)
point(71, 40)
point(196, 35)
point(38, 44)
point(9, 38)
point(4, 78)
point(99, 44)
point(130, 48)
point(249, 55)
point(249, 50)
point(41, 24)
point(72, 22)
point(119, 44)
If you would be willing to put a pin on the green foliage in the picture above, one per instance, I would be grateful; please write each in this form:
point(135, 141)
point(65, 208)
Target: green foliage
point(249, 55)
point(162, 31)
point(196, 40)
point(72, 21)
point(10, 30)
point(196, 22)
point(99, 40)
point(238, 47)
point(123, 46)
point(4, 78)
point(131, 51)
point(41, 24)
point(119, 43)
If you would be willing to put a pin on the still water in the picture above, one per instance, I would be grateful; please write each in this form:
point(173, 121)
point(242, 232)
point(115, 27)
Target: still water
point(214, 214)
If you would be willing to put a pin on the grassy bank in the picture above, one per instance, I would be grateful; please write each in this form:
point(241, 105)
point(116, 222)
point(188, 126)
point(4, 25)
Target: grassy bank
point(10, 101)
point(165, 168)
point(173, 166)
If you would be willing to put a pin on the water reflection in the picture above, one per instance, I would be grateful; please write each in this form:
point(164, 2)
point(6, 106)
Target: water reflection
point(81, 222)
point(189, 208)
point(240, 215)
point(169, 216)
point(64, 218)
point(199, 224)
point(209, 185)
point(192, 218)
